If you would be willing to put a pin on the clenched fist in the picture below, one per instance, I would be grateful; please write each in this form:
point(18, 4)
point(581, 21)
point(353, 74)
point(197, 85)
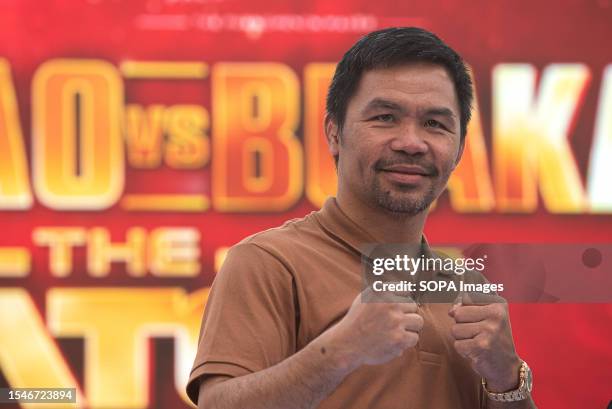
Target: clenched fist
point(376, 332)
point(482, 335)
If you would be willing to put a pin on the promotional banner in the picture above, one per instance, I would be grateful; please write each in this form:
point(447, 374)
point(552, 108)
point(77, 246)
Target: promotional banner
point(140, 140)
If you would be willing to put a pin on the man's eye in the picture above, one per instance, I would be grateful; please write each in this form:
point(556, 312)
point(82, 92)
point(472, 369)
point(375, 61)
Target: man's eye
point(432, 123)
point(384, 118)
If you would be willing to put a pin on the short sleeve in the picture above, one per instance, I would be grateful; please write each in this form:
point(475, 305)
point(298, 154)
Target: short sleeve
point(250, 317)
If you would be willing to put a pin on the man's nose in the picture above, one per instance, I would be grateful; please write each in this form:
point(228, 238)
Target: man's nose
point(410, 139)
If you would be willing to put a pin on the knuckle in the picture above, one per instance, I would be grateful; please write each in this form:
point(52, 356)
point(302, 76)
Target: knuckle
point(396, 306)
point(397, 337)
point(499, 312)
point(484, 343)
point(460, 348)
point(413, 321)
point(411, 339)
point(392, 315)
point(492, 327)
point(420, 322)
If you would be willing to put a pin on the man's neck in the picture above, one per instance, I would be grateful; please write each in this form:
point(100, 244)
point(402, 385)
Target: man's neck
point(381, 224)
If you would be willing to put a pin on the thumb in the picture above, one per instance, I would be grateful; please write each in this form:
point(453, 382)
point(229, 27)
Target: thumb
point(456, 304)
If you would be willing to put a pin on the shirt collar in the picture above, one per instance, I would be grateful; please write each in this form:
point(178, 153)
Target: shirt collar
point(338, 225)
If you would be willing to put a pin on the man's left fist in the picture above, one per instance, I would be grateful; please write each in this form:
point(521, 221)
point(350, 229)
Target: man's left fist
point(482, 335)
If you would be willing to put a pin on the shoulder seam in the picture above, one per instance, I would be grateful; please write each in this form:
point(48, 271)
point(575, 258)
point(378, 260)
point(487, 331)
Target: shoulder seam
point(287, 224)
point(269, 252)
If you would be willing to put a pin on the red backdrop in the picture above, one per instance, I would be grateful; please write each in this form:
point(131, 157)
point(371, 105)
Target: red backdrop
point(214, 107)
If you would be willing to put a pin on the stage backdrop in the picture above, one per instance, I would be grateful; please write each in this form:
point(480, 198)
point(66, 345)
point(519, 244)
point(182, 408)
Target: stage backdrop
point(140, 139)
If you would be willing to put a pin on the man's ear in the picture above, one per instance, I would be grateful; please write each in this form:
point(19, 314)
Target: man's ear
point(332, 133)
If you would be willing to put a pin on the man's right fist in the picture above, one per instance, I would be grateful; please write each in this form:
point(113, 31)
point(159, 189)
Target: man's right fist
point(377, 331)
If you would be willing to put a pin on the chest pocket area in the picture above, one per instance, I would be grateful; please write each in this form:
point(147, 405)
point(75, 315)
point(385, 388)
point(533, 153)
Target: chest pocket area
point(433, 340)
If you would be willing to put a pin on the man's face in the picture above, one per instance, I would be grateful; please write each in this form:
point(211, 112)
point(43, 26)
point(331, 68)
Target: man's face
point(401, 138)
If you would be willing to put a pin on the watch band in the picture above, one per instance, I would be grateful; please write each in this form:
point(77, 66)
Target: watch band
point(521, 393)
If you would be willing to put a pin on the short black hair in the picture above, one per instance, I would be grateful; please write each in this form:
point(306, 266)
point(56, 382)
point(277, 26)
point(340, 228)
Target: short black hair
point(392, 47)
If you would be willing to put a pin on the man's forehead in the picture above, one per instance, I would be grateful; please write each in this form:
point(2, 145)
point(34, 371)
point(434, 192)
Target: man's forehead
point(412, 67)
point(397, 84)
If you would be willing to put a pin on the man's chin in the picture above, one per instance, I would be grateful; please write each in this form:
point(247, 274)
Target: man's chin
point(406, 206)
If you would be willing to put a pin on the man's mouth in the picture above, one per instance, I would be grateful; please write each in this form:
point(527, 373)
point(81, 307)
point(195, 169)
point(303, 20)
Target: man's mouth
point(406, 174)
point(407, 170)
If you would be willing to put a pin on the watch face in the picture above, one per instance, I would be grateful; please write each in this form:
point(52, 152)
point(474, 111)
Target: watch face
point(528, 378)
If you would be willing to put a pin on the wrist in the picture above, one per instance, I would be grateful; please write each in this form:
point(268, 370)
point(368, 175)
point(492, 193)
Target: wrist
point(508, 380)
point(339, 354)
point(522, 392)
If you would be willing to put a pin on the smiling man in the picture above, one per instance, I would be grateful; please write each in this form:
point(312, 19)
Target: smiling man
point(404, 128)
point(285, 325)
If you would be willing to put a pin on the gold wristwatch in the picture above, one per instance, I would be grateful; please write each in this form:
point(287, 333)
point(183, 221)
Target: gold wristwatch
point(522, 392)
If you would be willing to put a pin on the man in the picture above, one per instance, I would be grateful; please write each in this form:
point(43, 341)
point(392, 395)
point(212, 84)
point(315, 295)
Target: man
point(285, 325)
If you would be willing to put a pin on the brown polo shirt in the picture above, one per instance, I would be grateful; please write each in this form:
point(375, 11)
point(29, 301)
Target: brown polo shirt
point(281, 288)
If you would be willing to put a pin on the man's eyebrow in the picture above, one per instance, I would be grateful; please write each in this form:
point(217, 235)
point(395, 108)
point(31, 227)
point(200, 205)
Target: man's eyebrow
point(378, 103)
point(441, 111)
